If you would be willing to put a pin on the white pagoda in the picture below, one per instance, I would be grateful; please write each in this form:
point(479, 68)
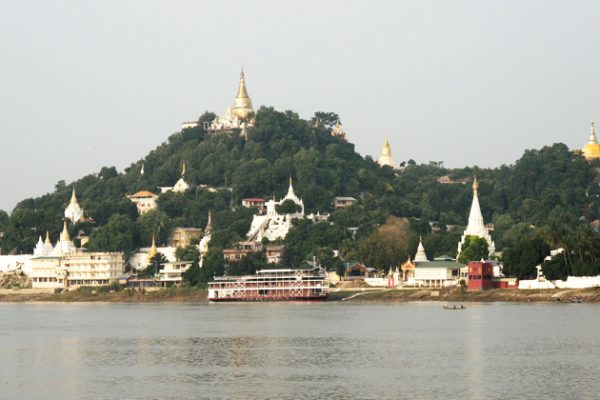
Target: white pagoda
point(74, 212)
point(476, 226)
point(386, 155)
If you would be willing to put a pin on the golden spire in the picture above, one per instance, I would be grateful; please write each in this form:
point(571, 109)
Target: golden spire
point(183, 170)
point(475, 186)
point(387, 150)
point(592, 139)
point(242, 92)
point(47, 241)
point(73, 196)
point(152, 252)
point(64, 236)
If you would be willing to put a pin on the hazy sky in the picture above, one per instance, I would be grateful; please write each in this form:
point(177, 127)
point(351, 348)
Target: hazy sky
point(89, 84)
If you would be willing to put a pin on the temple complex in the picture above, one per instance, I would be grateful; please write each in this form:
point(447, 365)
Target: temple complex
point(592, 149)
point(74, 212)
point(64, 265)
point(273, 225)
point(386, 155)
point(476, 227)
point(238, 116)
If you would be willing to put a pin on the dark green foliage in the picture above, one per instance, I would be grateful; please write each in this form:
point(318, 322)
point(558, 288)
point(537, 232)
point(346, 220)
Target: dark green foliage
point(520, 259)
point(153, 267)
point(119, 234)
point(556, 268)
point(288, 207)
point(212, 265)
point(248, 265)
point(473, 249)
point(306, 240)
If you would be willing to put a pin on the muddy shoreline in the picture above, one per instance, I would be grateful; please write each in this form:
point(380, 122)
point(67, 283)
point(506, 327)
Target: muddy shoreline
point(345, 295)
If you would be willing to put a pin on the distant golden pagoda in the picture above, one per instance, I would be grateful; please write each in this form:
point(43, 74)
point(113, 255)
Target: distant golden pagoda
point(386, 155)
point(242, 105)
point(592, 149)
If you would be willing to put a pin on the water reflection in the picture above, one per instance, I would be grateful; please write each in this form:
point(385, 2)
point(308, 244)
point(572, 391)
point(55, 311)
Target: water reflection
point(287, 351)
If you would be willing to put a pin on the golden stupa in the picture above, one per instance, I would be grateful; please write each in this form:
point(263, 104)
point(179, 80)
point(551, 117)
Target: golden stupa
point(592, 149)
point(242, 105)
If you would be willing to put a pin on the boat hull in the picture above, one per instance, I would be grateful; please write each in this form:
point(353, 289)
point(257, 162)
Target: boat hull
point(268, 298)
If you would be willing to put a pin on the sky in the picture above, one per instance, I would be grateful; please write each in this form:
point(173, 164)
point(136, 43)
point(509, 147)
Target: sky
point(90, 84)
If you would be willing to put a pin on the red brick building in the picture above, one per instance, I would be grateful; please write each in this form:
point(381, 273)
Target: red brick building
point(481, 275)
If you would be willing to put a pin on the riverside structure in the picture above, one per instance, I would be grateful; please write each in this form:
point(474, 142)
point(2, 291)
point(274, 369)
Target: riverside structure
point(270, 284)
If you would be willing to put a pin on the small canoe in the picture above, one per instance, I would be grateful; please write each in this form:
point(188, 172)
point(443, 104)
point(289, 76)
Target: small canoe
point(460, 307)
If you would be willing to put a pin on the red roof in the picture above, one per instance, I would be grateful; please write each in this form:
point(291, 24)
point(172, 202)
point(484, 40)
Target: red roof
point(254, 200)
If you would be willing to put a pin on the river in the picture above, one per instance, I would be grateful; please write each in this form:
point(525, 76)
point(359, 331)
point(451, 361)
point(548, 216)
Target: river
point(299, 351)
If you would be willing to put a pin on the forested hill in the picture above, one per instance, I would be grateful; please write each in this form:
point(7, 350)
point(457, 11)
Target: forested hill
point(552, 188)
point(280, 146)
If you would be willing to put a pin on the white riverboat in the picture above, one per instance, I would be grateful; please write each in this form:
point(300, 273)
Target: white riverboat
point(270, 285)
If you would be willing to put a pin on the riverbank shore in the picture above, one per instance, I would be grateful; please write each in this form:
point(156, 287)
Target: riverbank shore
point(459, 295)
point(346, 295)
point(128, 295)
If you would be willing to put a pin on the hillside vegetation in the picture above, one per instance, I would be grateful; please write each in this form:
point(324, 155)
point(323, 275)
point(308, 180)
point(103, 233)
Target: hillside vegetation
point(546, 199)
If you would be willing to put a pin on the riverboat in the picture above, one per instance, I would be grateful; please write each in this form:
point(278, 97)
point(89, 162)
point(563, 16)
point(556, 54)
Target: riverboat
point(270, 285)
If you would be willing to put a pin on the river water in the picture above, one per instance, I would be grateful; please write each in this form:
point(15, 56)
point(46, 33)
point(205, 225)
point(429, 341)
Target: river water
point(299, 351)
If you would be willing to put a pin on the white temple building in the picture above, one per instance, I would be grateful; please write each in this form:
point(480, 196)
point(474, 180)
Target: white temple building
point(386, 155)
point(181, 186)
point(273, 225)
point(476, 226)
point(74, 212)
point(43, 247)
point(64, 265)
point(144, 201)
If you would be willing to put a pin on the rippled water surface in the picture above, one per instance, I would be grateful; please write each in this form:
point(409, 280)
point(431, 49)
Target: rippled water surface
point(299, 351)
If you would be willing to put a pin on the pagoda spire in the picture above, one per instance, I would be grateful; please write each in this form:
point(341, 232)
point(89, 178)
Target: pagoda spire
point(65, 236)
point(421, 256)
point(183, 170)
point(73, 196)
point(152, 251)
point(242, 91)
point(47, 241)
point(592, 139)
point(475, 225)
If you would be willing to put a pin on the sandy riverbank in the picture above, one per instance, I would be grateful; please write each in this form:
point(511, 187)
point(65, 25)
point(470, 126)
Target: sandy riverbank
point(346, 295)
point(457, 295)
point(120, 296)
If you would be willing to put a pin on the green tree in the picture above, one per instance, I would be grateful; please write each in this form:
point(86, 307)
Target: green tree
point(155, 224)
point(521, 259)
point(118, 234)
point(473, 249)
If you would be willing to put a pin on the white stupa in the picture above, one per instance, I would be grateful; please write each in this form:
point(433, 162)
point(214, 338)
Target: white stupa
point(421, 256)
point(204, 242)
point(476, 226)
point(74, 212)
